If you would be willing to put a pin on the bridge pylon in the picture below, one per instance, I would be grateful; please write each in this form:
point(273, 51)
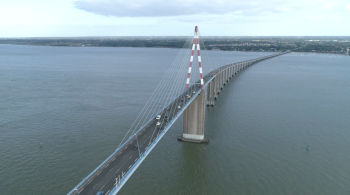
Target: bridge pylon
point(194, 114)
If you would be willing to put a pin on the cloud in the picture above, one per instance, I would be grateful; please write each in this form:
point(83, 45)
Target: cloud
point(159, 8)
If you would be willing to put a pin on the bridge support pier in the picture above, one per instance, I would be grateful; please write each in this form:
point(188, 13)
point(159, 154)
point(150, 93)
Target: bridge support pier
point(207, 94)
point(210, 93)
point(193, 122)
point(222, 79)
point(219, 80)
point(227, 75)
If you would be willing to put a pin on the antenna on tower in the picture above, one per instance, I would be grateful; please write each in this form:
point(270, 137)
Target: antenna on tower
point(195, 43)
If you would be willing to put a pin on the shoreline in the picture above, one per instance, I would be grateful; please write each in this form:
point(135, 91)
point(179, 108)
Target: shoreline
point(166, 48)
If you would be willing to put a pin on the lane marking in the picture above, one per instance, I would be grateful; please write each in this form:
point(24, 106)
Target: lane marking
point(98, 173)
point(135, 160)
point(124, 155)
point(102, 186)
point(94, 185)
point(130, 157)
point(107, 165)
point(129, 166)
point(125, 148)
point(117, 171)
point(113, 159)
point(108, 191)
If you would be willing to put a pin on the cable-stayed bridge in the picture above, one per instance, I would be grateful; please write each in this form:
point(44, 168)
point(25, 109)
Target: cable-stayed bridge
point(175, 95)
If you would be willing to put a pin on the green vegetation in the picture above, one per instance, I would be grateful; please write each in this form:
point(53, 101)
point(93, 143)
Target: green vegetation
point(337, 45)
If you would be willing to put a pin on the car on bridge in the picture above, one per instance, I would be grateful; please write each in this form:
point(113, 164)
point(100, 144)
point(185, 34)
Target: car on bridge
point(135, 147)
point(158, 123)
point(158, 117)
point(99, 193)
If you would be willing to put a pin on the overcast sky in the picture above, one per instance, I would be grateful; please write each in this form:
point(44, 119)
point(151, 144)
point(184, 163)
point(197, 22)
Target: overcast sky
point(62, 18)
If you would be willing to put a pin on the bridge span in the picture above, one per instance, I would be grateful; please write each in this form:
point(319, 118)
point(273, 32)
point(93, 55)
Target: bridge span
point(114, 172)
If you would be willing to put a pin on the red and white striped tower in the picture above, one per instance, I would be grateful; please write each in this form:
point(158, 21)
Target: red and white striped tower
point(195, 42)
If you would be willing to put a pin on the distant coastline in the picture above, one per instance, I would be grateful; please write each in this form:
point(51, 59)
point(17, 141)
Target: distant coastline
point(328, 45)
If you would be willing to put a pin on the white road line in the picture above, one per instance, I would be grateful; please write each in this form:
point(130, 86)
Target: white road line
point(107, 165)
point(135, 160)
point(113, 159)
point(129, 166)
point(124, 155)
point(102, 186)
point(125, 147)
point(130, 157)
point(141, 153)
point(98, 173)
point(108, 191)
point(94, 185)
point(117, 171)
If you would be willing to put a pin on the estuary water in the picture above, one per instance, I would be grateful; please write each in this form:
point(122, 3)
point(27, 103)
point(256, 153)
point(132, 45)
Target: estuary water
point(63, 110)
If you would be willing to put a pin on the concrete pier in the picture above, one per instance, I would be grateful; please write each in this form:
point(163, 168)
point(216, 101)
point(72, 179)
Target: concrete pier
point(219, 76)
point(194, 115)
point(227, 74)
point(212, 93)
point(207, 94)
point(222, 79)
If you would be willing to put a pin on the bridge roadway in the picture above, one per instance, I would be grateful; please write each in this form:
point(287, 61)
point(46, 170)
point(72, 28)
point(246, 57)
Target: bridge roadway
point(105, 178)
point(116, 168)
